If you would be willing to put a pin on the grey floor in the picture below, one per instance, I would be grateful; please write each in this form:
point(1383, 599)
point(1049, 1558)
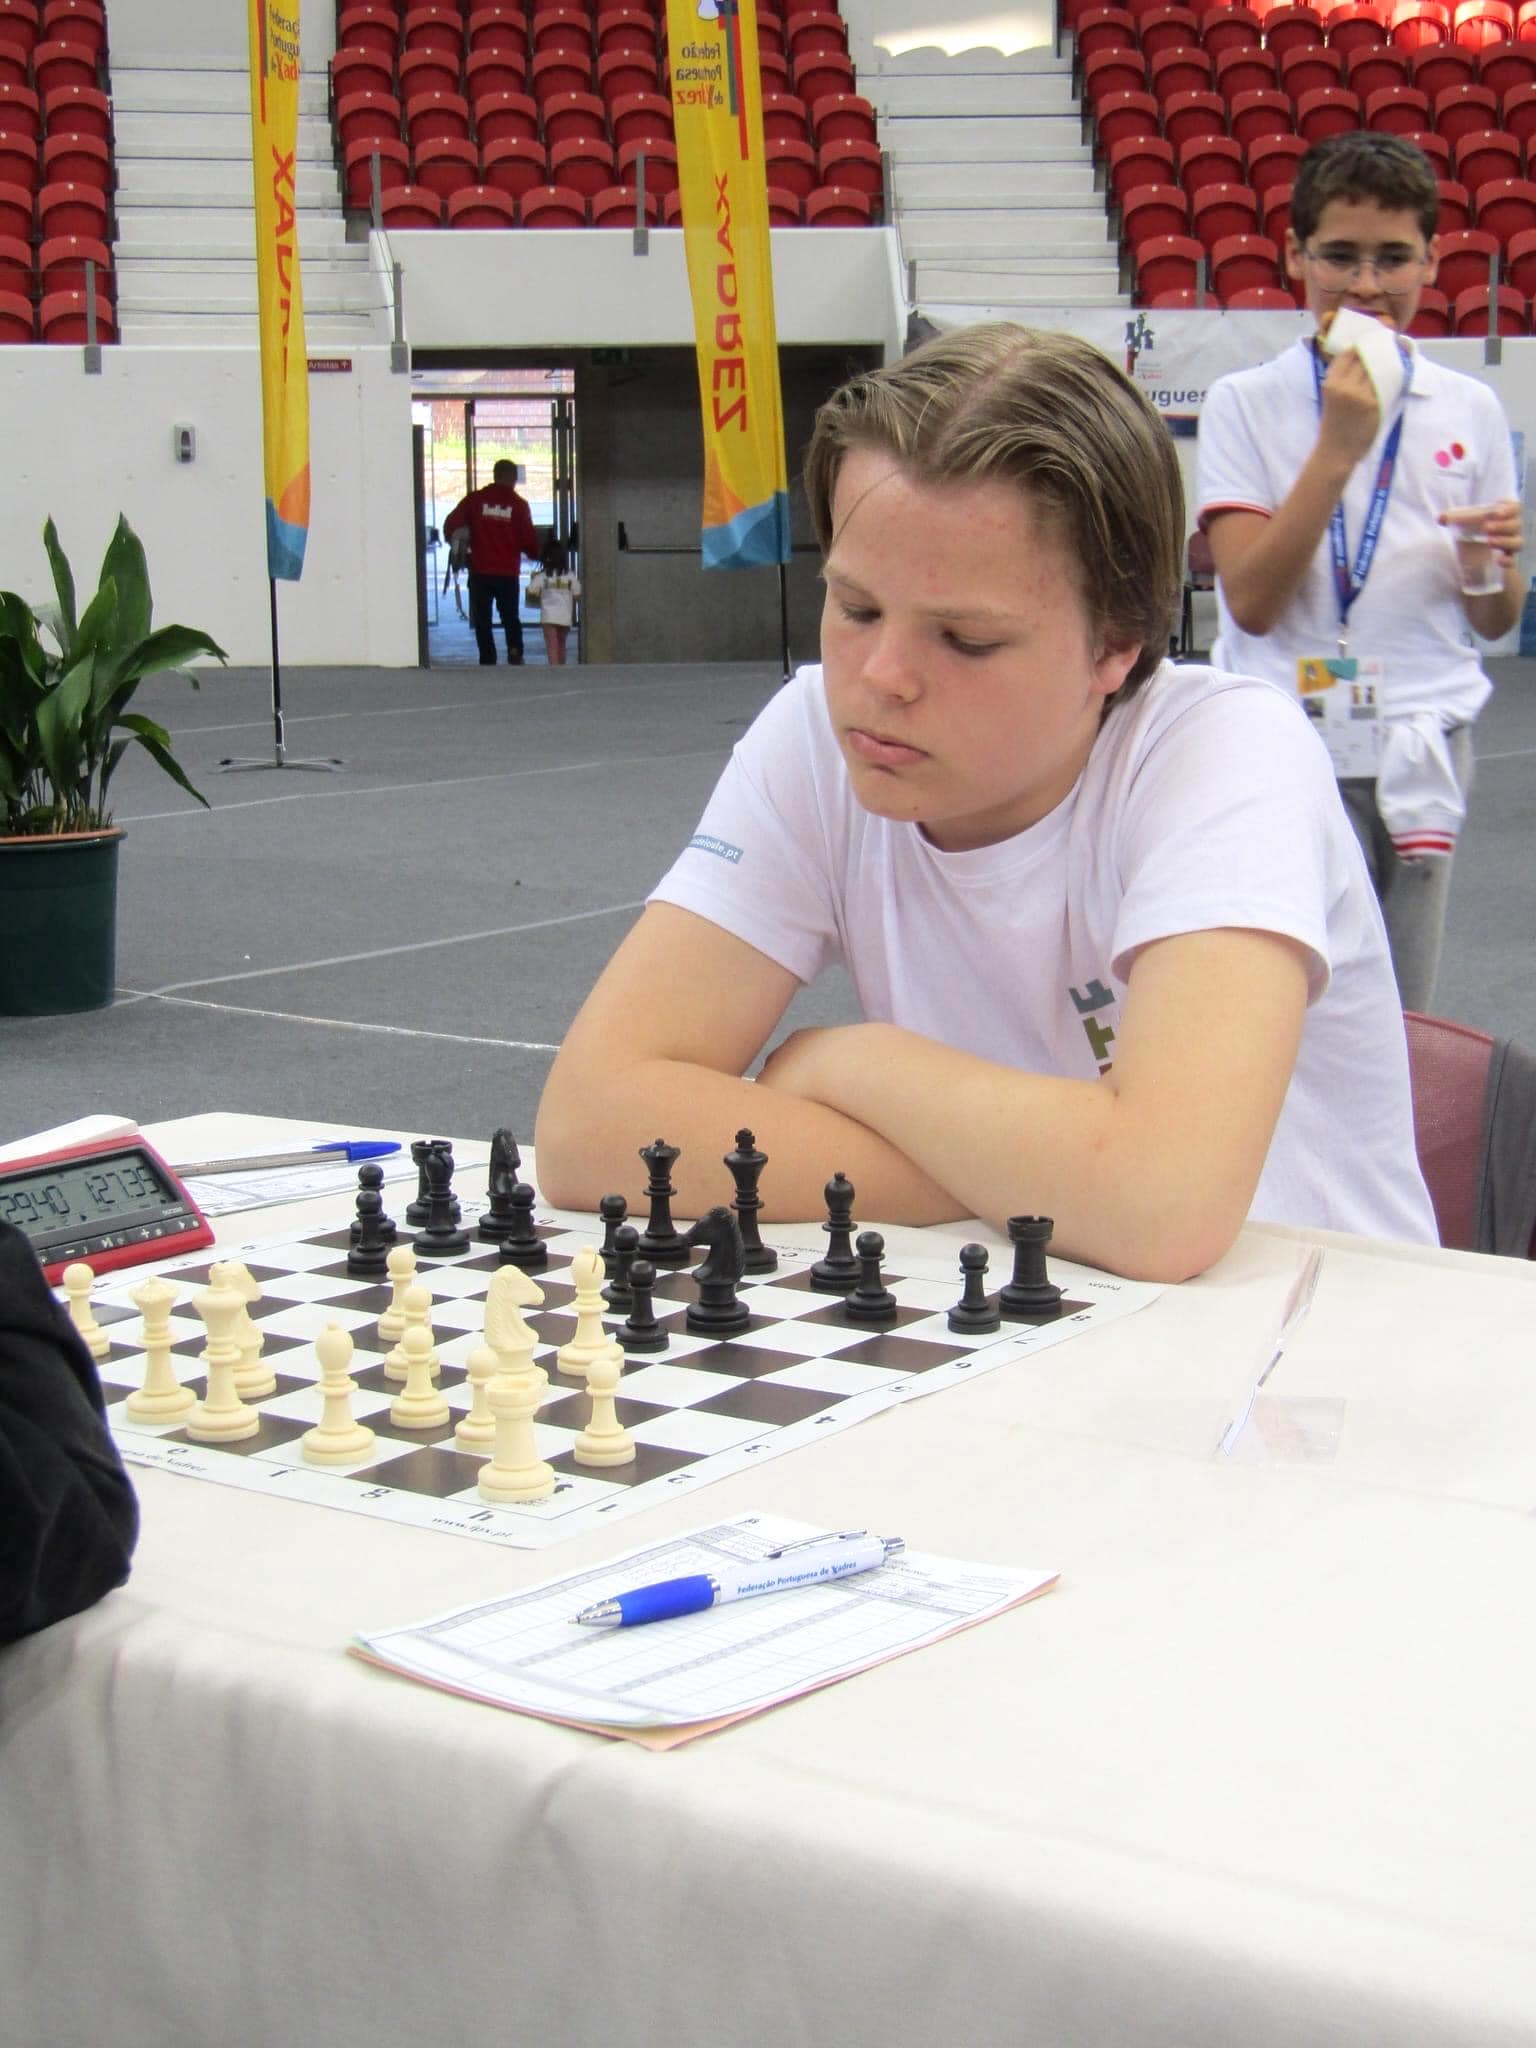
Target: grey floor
point(404, 943)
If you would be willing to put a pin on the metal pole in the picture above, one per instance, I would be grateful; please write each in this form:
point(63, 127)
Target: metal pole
point(279, 751)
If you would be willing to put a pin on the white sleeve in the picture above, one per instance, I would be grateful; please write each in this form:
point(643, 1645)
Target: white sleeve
point(1231, 469)
point(758, 865)
point(1234, 821)
point(1496, 464)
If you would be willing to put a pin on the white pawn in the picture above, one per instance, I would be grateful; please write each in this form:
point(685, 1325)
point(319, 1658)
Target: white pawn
point(78, 1282)
point(253, 1380)
point(162, 1398)
point(417, 1308)
point(477, 1431)
point(419, 1405)
point(590, 1337)
point(516, 1472)
point(221, 1416)
point(401, 1265)
point(605, 1440)
point(338, 1438)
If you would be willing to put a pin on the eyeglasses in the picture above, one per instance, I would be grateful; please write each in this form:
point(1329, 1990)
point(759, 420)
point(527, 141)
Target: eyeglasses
point(1338, 268)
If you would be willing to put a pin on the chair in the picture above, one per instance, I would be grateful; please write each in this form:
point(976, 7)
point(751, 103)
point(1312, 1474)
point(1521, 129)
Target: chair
point(357, 169)
point(1167, 27)
point(660, 164)
point(367, 117)
point(618, 206)
point(17, 208)
point(1261, 298)
point(1482, 24)
point(1520, 113)
point(1439, 66)
point(585, 163)
point(1217, 211)
point(445, 164)
point(371, 26)
point(1104, 28)
point(423, 71)
point(1354, 28)
point(63, 317)
point(626, 71)
point(18, 318)
point(1309, 69)
point(1124, 115)
point(1276, 216)
point(1470, 310)
point(1502, 66)
point(1199, 576)
point(1455, 206)
point(560, 71)
point(814, 77)
point(75, 21)
point(62, 261)
point(1272, 161)
point(1334, 110)
point(360, 70)
point(858, 164)
point(1416, 23)
point(491, 71)
point(785, 209)
point(497, 27)
point(562, 28)
point(1175, 263)
point(20, 113)
point(1291, 28)
point(1210, 160)
point(71, 209)
point(1108, 71)
point(840, 114)
point(1179, 70)
point(570, 114)
point(482, 206)
point(1475, 1134)
point(1151, 212)
point(1505, 207)
point(19, 28)
point(621, 29)
point(1246, 69)
point(509, 116)
point(15, 266)
point(1435, 147)
point(815, 31)
point(411, 206)
point(1230, 28)
point(1256, 114)
point(1465, 110)
point(1464, 261)
point(641, 114)
point(838, 206)
point(433, 28)
point(1241, 262)
point(1181, 301)
point(1489, 153)
point(21, 164)
point(514, 165)
point(1432, 321)
point(1397, 110)
point(1188, 114)
point(1375, 67)
point(55, 65)
point(433, 115)
point(1143, 160)
point(553, 206)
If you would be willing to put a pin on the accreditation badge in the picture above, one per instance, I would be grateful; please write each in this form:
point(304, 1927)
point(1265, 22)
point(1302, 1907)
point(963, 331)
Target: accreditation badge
point(1342, 694)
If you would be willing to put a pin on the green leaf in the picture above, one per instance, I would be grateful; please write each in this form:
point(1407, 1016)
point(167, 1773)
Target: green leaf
point(64, 585)
point(174, 647)
point(59, 720)
point(125, 565)
point(156, 742)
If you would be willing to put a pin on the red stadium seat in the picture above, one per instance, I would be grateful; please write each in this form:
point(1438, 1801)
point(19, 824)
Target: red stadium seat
point(1354, 28)
point(570, 114)
point(1520, 261)
point(1255, 114)
point(1173, 264)
point(1187, 300)
point(1505, 207)
point(1311, 69)
point(78, 110)
point(791, 165)
point(494, 70)
point(14, 69)
point(1469, 311)
point(514, 165)
point(624, 71)
point(565, 28)
point(82, 22)
point(640, 114)
point(370, 26)
point(1259, 298)
point(660, 164)
point(1291, 28)
point(838, 206)
point(1482, 24)
point(18, 318)
point(367, 116)
point(784, 118)
point(62, 262)
point(483, 206)
point(1503, 66)
point(1167, 27)
point(1465, 110)
point(1489, 154)
point(814, 32)
point(1520, 114)
point(1110, 71)
point(1104, 28)
point(1276, 214)
point(1464, 258)
point(1219, 211)
point(22, 164)
point(432, 115)
point(55, 65)
point(1375, 68)
point(1190, 114)
point(498, 28)
point(1143, 160)
point(357, 173)
point(785, 209)
point(626, 29)
point(17, 210)
point(1239, 262)
point(15, 266)
point(412, 206)
point(1455, 207)
point(1272, 161)
point(1230, 28)
point(585, 163)
point(1246, 69)
point(445, 164)
point(1398, 110)
point(852, 163)
point(355, 70)
point(509, 116)
point(555, 71)
point(62, 317)
point(423, 71)
point(1416, 23)
point(19, 28)
point(1152, 213)
point(1433, 317)
point(71, 209)
point(434, 28)
point(553, 206)
point(20, 113)
point(1334, 110)
point(1439, 66)
point(814, 77)
point(1179, 70)
point(618, 206)
point(1124, 115)
point(773, 71)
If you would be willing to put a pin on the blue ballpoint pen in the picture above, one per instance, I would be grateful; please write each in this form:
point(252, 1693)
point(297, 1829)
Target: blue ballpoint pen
point(810, 1563)
point(331, 1151)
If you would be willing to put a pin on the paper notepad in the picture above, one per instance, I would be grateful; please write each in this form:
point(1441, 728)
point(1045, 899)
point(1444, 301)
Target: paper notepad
point(667, 1681)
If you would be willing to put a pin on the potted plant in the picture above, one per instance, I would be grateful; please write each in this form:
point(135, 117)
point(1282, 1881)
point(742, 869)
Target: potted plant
point(66, 680)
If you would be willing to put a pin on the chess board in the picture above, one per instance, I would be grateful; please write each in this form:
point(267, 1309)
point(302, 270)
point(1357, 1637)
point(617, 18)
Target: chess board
point(700, 1410)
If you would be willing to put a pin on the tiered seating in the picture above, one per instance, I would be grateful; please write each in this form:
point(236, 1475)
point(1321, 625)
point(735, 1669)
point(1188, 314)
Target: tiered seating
point(1201, 116)
point(537, 113)
point(56, 178)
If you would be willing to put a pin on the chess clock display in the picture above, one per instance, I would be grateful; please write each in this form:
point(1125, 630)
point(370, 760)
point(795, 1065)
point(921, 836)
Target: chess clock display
point(112, 1204)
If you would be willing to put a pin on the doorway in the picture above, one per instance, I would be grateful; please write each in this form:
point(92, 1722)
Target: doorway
point(469, 420)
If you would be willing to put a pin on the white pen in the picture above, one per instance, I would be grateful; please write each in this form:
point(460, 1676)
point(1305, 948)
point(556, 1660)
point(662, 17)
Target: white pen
point(810, 1563)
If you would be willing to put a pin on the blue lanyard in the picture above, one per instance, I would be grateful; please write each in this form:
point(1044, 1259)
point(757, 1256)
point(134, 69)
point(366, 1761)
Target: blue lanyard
point(1349, 582)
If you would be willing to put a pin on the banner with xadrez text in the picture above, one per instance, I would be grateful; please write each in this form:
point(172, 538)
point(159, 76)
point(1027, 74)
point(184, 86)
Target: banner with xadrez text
point(717, 110)
point(274, 35)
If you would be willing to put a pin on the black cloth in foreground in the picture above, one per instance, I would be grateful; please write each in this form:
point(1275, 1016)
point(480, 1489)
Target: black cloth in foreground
point(68, 1515)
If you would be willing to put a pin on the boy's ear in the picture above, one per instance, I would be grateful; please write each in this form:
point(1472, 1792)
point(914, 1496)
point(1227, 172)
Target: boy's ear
point(1111, 667)
point(1293, 257)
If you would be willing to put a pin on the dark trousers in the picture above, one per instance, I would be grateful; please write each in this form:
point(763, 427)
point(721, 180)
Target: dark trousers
point(503, 593)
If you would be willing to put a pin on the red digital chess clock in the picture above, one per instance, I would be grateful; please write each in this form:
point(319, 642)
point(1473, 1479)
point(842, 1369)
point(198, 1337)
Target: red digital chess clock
point(111, 1203)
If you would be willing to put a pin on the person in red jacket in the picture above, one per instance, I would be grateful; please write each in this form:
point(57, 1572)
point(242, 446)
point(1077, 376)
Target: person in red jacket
point(501, 532)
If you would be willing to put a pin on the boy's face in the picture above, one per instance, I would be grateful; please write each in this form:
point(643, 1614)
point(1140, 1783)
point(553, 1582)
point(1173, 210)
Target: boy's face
point(1383, 246)
point(963, 681)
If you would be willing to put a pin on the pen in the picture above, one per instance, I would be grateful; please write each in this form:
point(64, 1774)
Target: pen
point(800, 1564)
point(330, 1151)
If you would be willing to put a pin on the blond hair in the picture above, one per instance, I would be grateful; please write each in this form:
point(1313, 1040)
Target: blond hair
point(1053, 415)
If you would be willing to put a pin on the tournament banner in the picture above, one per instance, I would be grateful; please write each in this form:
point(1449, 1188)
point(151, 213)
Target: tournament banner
point(717, 109)
point(274, 26)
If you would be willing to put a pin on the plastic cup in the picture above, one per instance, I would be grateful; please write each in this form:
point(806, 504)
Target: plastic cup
point(1481, 572)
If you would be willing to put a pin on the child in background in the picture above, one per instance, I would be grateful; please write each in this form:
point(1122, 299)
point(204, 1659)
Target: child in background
point(555, 590)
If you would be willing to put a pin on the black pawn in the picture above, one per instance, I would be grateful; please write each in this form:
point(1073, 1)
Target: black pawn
point(1030, 1296)
point(871, 1301)
point(416, 1208)
point(746, 1165)
point(440, 1237)
point(975, 1312)
point(613, 1209)
point(522, 1245)
point(368, 1257)
point(661, 1241)
point(640, 1330)
point(371, 1175)
point(500, 1217)
point(618, 1293)
point(839, 1270)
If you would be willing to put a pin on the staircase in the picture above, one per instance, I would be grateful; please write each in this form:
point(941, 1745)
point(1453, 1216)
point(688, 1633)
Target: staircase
point(993, 184)
point(186, 246)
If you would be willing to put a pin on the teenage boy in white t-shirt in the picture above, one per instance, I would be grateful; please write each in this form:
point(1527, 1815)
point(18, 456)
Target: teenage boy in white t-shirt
point(1117, 952)
point(1289, 449)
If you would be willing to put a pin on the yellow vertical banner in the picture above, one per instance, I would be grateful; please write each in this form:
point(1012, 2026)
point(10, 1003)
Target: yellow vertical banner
point(274, 26)
point(717, 111)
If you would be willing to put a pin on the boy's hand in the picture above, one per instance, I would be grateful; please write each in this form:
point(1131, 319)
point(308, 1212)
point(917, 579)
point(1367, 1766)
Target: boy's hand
point(1500, 524)
point(1351, 413)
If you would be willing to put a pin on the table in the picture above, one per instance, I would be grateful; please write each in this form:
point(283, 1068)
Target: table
point(1257, 1771)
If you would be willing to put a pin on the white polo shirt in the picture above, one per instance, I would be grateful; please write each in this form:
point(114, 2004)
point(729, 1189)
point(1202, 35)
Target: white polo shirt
point(1207, 801)
point(1257, 429)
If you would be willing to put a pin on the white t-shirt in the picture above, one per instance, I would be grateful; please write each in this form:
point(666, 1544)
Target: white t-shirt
point(1257, 429)
point(1207, 801)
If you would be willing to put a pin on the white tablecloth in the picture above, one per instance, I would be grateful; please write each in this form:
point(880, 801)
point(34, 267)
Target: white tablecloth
point(1257, 1771)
